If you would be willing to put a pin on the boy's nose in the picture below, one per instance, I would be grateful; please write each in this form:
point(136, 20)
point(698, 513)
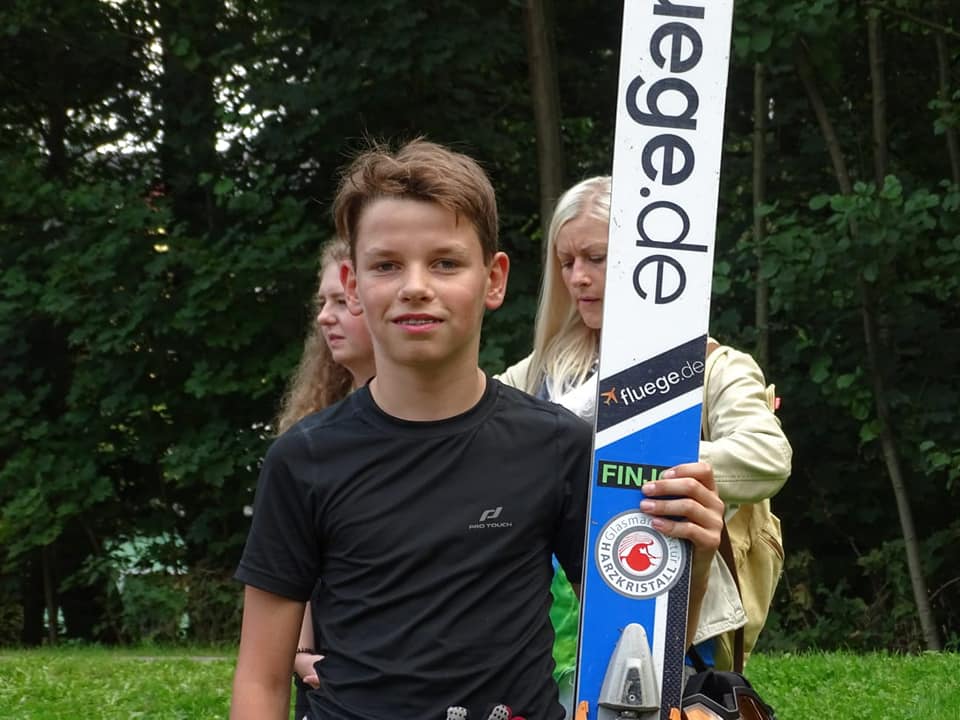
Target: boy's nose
point(416, 284)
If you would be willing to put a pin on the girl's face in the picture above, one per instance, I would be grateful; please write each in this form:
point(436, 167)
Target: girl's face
point(346, 334)
point(581, 247)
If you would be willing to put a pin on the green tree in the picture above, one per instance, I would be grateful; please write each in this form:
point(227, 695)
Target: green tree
point(169, 167)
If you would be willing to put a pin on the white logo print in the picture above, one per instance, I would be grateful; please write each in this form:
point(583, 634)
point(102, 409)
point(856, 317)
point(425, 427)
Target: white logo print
point(491, 514)
point(488, 520)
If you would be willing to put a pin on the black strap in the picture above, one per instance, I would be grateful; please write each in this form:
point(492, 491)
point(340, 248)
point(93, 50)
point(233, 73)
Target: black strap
point(726, 552)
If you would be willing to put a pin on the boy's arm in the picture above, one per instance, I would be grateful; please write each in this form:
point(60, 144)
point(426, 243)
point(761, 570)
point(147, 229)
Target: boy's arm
point(268, 637)
point(573, 464)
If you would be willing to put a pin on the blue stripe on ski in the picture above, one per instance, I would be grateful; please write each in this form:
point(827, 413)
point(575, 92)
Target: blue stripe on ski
point(670, 442)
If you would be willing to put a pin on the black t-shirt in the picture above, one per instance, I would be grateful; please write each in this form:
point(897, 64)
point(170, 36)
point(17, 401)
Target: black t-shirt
point(433, 541)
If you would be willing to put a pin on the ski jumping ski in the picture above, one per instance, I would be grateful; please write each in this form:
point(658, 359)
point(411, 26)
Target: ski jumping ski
point(666, 169)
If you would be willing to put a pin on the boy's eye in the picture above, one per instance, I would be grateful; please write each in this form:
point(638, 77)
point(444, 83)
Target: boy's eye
point(598, 259)
point(384, 266)
point(447, 264)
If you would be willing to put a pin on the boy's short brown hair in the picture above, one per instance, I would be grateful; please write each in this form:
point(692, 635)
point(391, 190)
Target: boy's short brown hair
point(419, 170)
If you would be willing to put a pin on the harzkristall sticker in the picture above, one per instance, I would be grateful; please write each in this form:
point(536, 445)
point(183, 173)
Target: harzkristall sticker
point(636, 560)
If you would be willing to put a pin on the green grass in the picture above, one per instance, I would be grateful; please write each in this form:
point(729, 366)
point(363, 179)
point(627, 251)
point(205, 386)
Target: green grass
point(102, 684)
point(170, 684)
point(875, 687)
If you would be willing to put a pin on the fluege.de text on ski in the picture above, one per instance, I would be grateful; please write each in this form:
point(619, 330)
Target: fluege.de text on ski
point(676, 47)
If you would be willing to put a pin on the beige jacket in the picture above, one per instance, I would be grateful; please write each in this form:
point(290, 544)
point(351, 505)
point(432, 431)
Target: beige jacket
point(742, 440)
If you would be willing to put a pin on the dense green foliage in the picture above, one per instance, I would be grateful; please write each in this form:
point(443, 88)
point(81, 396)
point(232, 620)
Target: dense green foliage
point(168, 168)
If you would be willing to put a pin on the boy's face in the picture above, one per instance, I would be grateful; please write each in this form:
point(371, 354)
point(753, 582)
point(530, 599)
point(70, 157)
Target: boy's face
point(422, 284)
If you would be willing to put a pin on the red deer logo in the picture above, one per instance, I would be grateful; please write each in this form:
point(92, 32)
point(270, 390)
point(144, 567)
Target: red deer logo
point(634, 552)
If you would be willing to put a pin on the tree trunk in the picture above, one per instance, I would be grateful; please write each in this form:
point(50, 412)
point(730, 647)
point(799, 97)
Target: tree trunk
point(805, 70)
point(55, 135)
point(189, 110)
point(943, 73)
point(892, 459)
point(49, 594)
point(762, 293)
point(545, 92)
point(878, 89)
point(874, 352)
point(32, 599)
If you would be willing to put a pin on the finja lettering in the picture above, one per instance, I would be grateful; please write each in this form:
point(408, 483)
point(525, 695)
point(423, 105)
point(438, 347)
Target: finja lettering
point(678, 158)
point(627, 475)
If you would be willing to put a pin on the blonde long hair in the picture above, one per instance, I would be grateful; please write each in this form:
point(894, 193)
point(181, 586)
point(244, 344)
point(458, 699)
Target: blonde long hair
point(564, 349)
point(318, 381)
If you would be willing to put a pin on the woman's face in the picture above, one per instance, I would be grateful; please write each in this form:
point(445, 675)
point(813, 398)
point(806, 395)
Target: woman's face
point(581, 247)
point(346, 334)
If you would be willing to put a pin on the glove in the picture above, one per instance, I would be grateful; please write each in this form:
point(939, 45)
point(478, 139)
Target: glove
point(498, 712)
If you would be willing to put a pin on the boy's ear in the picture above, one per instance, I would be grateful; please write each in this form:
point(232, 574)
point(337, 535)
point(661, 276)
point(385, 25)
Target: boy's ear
point(497, 281)
point(348, 278)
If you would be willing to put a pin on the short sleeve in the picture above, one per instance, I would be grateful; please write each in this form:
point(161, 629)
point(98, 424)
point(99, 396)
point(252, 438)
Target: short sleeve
point(574, 450)
point(282, 551)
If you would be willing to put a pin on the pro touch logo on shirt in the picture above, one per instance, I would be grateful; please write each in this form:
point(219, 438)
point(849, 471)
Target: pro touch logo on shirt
point(490, 519)
point(634, 559)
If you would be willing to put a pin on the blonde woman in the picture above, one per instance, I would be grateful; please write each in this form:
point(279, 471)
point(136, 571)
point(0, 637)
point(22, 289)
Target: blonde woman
point(742, 438)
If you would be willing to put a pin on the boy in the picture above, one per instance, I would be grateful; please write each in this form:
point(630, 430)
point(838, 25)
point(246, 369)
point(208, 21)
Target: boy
point(429, 502)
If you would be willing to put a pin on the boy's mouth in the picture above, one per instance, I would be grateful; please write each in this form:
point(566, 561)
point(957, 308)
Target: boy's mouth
point(416, 320)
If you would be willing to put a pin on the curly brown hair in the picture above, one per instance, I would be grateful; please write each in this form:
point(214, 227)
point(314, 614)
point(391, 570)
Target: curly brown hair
point(318, 381)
